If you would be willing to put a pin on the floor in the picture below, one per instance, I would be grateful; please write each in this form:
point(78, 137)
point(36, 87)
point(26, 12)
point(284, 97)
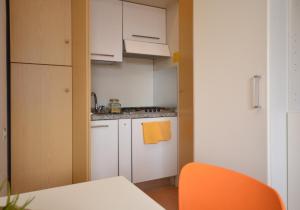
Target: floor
point(166, 196)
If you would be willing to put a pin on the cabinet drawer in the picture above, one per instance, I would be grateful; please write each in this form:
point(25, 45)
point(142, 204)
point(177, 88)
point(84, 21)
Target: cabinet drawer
point(144, 23)
point(104, 149)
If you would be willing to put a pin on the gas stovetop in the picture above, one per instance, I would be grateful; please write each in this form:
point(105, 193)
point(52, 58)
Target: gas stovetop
point(145, 109)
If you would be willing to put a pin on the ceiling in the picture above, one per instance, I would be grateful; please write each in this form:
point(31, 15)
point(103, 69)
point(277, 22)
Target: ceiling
point(155, 3)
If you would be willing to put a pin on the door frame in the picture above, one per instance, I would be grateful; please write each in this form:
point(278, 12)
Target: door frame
point(3, 95)
point(278, 65)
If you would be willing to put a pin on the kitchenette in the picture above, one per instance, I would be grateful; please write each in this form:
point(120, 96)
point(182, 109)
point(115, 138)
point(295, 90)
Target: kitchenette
point(134, 99)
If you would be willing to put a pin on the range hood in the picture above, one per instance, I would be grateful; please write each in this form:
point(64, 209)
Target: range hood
point(146, 49)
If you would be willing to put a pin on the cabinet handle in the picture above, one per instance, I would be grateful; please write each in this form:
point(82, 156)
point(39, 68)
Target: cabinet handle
point(148, 37)
point(105, 55)
point(100, 126)
point(4, 134)
point(256, 91)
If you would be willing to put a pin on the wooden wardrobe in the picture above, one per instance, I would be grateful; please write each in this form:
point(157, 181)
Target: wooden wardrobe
point(42, 75)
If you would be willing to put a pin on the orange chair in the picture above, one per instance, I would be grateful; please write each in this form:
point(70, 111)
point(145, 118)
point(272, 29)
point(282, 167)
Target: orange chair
point(206, 187)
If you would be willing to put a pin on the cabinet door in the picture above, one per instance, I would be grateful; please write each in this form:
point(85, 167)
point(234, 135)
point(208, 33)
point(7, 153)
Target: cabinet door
point(104, 149)
point(125, 148)
point(41, 31)
point(106, 30)
point(153, 161)
point(144, 23)
point(41, 123)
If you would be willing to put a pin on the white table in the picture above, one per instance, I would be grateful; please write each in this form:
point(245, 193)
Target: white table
point(108, 194)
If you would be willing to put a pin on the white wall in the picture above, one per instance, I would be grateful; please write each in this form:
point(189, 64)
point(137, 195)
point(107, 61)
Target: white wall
point(165, 71)
point(130, 81)
point(166, 87)
point(278, 94)
point(294, 70)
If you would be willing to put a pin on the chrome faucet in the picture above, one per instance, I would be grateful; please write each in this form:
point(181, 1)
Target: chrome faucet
point(97, 108)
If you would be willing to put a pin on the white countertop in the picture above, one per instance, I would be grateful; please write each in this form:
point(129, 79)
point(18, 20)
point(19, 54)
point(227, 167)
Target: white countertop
point(106, 194)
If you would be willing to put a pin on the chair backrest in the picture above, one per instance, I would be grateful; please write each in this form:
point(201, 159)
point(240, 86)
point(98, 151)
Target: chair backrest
point(206, 187)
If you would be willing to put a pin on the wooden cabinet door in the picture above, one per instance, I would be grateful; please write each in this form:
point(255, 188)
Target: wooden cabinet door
point(144, 23)
point(41, 31)
point(153, 161)
point(106, 30)
point(41, 122)
point(104, 149)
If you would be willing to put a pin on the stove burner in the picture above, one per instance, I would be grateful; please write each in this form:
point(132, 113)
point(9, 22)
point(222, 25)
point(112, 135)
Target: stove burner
point(142, 109)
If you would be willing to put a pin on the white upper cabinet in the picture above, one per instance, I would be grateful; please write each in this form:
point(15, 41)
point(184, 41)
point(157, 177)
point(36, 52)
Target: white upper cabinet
point(106, 30)
point(144, 23)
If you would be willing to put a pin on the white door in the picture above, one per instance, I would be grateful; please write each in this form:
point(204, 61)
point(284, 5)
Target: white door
point(230, 42)
point(125, 148)
point(153, 161)
point(3, 140)
point(106, 30)
point(144, 23)
point(104, 149)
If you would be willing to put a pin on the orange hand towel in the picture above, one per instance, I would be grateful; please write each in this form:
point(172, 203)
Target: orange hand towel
point(154, 132)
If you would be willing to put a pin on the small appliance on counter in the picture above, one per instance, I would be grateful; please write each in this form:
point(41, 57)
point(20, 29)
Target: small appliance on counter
point(114, 106)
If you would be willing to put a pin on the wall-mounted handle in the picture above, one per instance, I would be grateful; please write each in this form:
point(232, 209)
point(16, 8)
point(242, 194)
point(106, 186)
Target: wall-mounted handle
point(4, 134)
point(105, 55)
point(256, 91)
point(147, 37)
point(100, 126)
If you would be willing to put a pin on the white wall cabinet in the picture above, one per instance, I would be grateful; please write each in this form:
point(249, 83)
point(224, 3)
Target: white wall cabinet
point(104, 149)
point(106, 30)
point(153, 161)
point(125, 148)
point(144, 23)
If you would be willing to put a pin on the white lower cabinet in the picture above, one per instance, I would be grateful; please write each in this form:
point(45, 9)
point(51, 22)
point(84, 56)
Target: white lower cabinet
point(153, 161)
point(118, 149)
point(125, 148)
point(104, 149)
